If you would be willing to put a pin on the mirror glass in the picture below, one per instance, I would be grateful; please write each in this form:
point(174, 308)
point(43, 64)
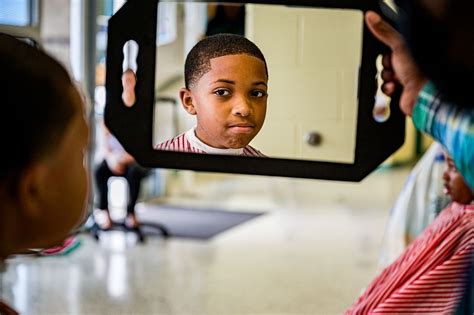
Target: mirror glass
point(312, 55)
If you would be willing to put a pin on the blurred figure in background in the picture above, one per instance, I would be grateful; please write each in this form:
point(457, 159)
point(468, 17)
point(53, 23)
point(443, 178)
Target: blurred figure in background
point(117, 162)
point(226, 18)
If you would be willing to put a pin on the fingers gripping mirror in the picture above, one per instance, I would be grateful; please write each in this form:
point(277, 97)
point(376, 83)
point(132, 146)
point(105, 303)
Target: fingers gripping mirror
point(283, 88)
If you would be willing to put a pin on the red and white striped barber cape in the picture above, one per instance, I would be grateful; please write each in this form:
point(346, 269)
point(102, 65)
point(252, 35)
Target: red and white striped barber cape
point(430, 276)
point(188, 142)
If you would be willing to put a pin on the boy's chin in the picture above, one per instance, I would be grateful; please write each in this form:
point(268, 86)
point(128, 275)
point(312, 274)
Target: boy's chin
point(239, 144)
point(461, 197)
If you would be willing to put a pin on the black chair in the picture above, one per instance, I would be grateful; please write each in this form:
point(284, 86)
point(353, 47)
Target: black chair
point(141, 230)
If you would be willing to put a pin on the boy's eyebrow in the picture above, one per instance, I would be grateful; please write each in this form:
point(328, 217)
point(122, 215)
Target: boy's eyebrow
point(224, 81)
point(259, 83)
point(233, 82)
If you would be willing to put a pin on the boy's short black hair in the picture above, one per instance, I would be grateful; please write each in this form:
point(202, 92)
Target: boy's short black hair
point(198, 61)
point(34, 95)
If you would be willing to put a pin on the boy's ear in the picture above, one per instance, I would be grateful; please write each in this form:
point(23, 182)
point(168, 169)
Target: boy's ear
point(186, 97)
point(30, 192)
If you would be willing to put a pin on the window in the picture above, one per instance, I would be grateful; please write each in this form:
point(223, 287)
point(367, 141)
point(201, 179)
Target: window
point(167, 23)
point(16, 12)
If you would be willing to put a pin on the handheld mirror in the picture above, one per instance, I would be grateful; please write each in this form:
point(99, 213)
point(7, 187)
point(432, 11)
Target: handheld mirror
point(324, 114)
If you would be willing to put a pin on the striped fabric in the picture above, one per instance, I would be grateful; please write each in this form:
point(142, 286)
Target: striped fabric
point(180, 144)
point(451, 126)
point(431, 275)
point(185, 143)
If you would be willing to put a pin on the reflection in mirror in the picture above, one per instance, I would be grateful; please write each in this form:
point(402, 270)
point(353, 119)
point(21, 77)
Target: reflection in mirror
point(381, 112)
point(312, 55)
point(129, 78)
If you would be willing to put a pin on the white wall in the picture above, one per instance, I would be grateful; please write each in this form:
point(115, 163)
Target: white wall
point(313, 57)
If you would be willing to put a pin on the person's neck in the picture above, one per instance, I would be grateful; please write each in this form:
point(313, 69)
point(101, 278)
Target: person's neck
point(3, 268)
point(193, 137)
point(4, 246)
point(199, 133)
point(10, 236)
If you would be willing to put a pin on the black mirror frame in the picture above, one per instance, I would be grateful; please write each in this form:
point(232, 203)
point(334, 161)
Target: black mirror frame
point(137, 20)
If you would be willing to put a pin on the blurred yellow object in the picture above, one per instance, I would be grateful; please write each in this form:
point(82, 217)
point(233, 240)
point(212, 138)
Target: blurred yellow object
point(408, 152)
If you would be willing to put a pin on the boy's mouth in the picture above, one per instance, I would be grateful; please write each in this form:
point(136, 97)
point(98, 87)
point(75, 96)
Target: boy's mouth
point(242, 128)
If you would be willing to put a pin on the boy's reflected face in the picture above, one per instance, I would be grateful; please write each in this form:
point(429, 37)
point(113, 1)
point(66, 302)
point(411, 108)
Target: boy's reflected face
point(230, 101)
point(454, 184)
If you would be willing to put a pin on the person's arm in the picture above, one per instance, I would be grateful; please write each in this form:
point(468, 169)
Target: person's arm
point(122, 157)
point(126, 158)
point(106, 134)
point(453, 127)
point(6, 310)
point(399, 68)
point(113, 159)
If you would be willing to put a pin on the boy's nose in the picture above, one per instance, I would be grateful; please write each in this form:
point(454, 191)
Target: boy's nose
point(242, 108)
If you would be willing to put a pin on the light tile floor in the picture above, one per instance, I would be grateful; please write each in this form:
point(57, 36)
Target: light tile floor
point(312, 253)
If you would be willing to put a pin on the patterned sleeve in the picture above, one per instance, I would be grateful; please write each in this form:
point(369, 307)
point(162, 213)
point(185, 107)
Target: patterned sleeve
point(451, 126)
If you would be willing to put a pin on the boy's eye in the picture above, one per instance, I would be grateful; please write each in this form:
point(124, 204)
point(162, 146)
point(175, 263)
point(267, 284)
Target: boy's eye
point(258, 93)
point(222, 92)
